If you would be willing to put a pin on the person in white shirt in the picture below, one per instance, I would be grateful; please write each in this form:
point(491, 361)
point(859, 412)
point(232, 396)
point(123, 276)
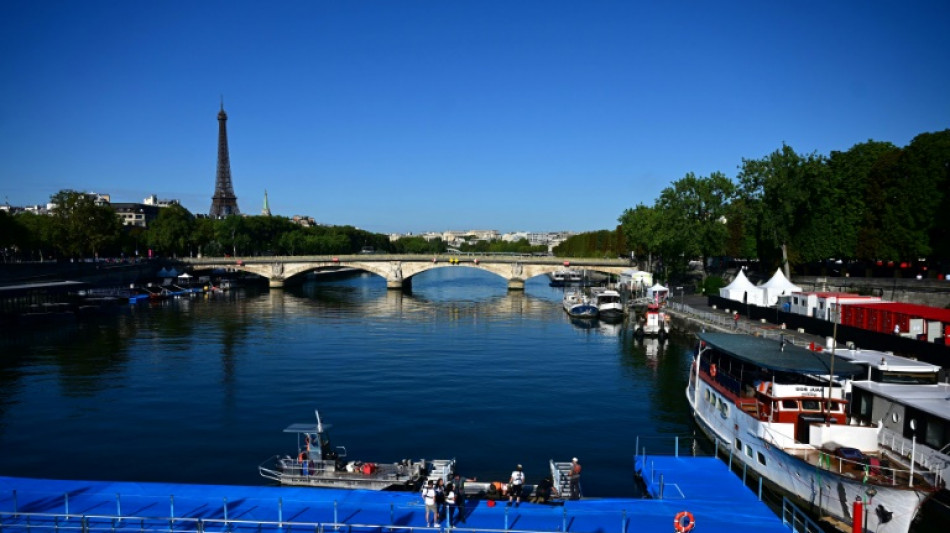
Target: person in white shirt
point(428, 496)
point(515, 486)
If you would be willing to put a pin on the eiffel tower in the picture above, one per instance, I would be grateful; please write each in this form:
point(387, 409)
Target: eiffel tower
point(223, 203)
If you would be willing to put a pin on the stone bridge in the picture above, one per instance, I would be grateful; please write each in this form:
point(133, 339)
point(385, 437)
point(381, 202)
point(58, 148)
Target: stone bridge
point(399, 269)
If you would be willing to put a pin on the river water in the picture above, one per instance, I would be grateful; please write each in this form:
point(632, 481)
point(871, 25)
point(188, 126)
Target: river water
point(199, 390)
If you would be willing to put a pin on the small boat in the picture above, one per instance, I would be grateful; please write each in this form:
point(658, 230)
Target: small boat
point(784, 410)
point(566, 276)
point(653, 321)
point(609, 304)
point(318, 464)
point(578, 305)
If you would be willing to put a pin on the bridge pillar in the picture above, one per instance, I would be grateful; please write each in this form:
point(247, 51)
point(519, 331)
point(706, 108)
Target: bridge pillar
point(403, 284)
point(275, 283)
point(515, 284)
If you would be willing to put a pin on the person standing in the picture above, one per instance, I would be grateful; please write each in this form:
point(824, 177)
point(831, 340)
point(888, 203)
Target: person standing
point(735, 320)
point(575, 479)
point(460, 496)
point(515, 486)
point(450, 500)
point(439, 499)
point(428, 496)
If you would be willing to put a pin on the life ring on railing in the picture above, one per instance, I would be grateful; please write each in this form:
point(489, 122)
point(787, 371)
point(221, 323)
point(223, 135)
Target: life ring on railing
point(712, 370)
point(681, 527)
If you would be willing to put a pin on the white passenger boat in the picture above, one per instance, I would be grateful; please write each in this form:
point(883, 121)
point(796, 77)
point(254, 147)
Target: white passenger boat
point(578, 305)
point(775, 407)
point(317, 463)
point(608, 302)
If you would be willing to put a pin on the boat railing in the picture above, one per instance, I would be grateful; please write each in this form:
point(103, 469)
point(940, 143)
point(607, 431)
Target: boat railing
point(922, 455)
point(871, 469)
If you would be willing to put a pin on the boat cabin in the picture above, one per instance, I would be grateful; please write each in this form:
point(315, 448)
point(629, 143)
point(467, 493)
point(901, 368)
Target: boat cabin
point(777, 382)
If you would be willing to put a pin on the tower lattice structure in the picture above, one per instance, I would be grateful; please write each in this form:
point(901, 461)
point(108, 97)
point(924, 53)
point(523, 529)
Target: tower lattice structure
point(224, 202)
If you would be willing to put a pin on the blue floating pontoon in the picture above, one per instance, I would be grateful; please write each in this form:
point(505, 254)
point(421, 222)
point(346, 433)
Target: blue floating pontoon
point(702, 486)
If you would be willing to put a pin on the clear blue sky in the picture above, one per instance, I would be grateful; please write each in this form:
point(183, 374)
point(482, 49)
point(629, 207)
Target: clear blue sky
point(399, 116)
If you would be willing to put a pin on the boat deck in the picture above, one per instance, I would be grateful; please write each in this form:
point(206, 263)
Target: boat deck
point(703, 486)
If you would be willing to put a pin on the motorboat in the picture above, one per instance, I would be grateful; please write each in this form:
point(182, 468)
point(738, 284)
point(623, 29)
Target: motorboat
point(783, 412)
point(578, 305)
point(653, 321)
point(566, 276)
point(609, 304)
point(316, 463)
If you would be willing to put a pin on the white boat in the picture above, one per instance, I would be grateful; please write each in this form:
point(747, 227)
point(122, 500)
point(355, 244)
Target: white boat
point(773, 405)
point(653, 321)
point(566, 276)
point(578, 305)
point(608, 302)
point(318, 464)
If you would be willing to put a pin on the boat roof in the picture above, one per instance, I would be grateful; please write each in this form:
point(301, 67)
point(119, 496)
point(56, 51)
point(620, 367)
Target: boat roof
point(887, 361)
point(931, 399)
point(770, 354)
point(305, 427)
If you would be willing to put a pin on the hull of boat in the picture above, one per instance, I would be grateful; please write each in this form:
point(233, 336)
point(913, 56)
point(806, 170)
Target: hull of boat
point(582, 311)
point(825, 492)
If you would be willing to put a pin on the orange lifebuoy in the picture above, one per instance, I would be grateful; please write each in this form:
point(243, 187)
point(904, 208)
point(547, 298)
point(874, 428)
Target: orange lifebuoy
point(712, 370)
point(678, 524)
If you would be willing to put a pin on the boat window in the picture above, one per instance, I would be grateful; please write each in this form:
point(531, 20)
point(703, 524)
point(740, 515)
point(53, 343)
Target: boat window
point(810, 405)
point(738, 444)
point(790, 404)
point(748, 450)
point(708, 396)
point(934, 433)
point(761, 458)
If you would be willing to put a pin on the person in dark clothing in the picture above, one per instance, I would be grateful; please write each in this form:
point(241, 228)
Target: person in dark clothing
point(544, 491)
point(575, 479)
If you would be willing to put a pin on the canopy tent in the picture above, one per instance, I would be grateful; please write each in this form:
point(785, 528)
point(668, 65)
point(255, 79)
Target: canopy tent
point(742, 290)
point(658, 293)
point(185, 275)
point(777, 286)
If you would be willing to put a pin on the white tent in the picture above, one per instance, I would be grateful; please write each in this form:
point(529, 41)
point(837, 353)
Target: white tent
point(742, 290)
point(777, 286)
point(658, 293)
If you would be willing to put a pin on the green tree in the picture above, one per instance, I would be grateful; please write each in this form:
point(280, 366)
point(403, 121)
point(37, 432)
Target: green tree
point(172, 233)
point(694, 211)
point(81, 226)
point(776, 192)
